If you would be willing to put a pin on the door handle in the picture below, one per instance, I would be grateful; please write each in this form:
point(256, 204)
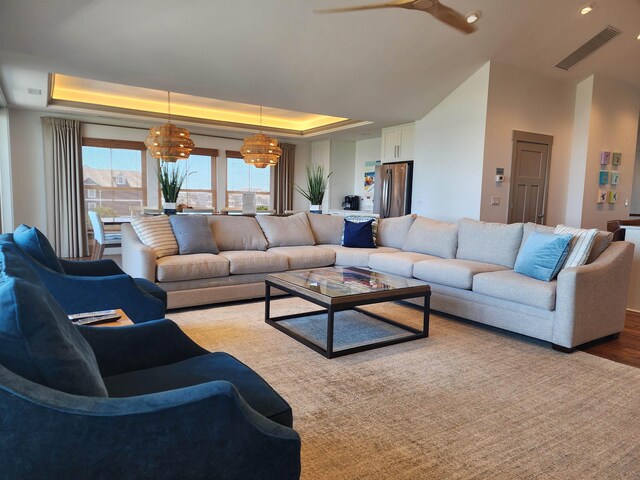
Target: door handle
point(389, 189)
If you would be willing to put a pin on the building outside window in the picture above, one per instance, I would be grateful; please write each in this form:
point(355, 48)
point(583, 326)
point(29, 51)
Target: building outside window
point(243, 178)
point(114, 176)
point(199, 188)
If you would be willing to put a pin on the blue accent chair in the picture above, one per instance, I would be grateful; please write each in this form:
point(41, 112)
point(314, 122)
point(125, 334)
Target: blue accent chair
point(180, 412)
point(98, 285)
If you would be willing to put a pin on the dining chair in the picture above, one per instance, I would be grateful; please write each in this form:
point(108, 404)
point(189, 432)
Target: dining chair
point(102, 239)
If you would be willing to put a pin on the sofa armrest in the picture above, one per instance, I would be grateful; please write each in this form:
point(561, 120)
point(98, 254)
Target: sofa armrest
point(591, 299)
point(97, 268)
point(135, 347)
point(138, 259)
point(204, 431)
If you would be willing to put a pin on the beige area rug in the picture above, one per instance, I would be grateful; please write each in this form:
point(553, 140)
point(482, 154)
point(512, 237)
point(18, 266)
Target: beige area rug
point(466, 403)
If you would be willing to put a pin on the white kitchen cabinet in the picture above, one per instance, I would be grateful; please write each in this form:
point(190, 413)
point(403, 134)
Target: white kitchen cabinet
point(397, 143)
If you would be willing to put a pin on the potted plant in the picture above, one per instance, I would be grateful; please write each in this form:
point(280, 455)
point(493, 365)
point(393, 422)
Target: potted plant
point(316, 186)
point(170, 180)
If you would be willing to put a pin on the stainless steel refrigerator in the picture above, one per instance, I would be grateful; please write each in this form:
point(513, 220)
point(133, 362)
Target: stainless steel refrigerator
point(392, 192)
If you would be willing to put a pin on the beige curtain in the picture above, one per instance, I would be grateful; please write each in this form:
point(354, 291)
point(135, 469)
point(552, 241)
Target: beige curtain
point(284, 171)
point(64, 142)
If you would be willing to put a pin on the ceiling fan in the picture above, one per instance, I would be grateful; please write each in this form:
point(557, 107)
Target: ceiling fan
point(434, 7)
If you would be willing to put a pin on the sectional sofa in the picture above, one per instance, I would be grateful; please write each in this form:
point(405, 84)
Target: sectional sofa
point(468, 264)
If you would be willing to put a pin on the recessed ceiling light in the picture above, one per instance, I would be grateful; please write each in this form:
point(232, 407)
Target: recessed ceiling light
point(586, 9)
point(638, 37)
point(473, 17)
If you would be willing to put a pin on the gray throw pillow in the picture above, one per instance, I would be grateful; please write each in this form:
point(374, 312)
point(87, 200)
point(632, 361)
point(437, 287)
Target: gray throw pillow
point(193, 234)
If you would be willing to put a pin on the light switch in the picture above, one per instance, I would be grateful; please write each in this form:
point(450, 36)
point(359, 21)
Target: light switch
point(495, 201)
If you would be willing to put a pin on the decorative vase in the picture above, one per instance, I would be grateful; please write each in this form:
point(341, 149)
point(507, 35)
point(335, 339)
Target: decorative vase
point(315, 209)
point(169, 208)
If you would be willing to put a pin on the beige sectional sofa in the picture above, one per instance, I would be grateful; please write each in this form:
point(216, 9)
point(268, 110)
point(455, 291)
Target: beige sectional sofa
point(469, 266)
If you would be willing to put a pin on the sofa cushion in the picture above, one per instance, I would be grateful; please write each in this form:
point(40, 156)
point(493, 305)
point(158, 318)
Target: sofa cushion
point(326, 228)
point(306, 256)
point(355, 257)
point(193, 234)
point(37, 340)
point(452, 272)
point(581, 244)
point(234, 232)
point(530, 227)
point(518, 288)
point(201, 369)
point(176, 268)
point(392, 232)
point(286, 231)
point(252, 261)
point(33, 242)
point(358, 234)
point(485, 242)
point(600, 244)
point(542, 255)
point(398, 263)
point(155, 232)
point(432, 238)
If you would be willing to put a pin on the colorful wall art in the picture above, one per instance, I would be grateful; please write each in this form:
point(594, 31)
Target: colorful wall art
point(616, 158)
point(604, 177)
point(604, 158)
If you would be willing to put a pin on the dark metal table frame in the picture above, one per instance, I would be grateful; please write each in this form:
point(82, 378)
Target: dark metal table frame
point(331, 305)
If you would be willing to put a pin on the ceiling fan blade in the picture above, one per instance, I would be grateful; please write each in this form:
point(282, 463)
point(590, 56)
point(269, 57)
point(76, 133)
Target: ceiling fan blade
point(402, 4)
point(447, 15)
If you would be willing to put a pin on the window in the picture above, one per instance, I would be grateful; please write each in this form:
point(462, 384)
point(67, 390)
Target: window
point(199, 188)
point(114, 176)
point(247, 178)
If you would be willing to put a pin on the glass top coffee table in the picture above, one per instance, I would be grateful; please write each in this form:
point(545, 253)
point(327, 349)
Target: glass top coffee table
point(342, 327)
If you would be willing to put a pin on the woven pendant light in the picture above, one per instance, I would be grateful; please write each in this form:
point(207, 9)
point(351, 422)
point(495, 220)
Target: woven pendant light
point(168, 142)
point(260, 150)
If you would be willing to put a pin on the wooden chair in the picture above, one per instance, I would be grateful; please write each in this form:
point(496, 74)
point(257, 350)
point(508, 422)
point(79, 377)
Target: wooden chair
point(102, 239)
point(617, 227)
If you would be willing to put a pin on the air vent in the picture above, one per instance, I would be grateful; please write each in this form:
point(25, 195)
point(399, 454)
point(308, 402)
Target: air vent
point(588, 48)
point(34, 91)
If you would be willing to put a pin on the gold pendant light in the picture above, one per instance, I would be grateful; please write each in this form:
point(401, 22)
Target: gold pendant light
point(168, 142)
point(260, 150)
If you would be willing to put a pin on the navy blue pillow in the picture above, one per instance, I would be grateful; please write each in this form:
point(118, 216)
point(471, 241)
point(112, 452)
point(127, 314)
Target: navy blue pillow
point(33, 242)
point(358, 234)
point(37, 340)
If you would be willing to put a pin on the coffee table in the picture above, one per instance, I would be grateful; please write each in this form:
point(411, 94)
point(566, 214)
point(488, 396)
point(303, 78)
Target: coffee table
point(346, 289)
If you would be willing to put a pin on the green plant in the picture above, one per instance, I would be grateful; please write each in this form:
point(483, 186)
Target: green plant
point(316, 184)
point(170, 179)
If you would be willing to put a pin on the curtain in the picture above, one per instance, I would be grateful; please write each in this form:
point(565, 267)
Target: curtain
point(283, 184)
point(63, 139)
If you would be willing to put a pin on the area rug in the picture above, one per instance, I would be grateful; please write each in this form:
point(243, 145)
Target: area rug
point(469, 402)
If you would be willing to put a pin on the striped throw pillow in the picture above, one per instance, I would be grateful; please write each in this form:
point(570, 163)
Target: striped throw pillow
point(156, 232)
point(581, 244)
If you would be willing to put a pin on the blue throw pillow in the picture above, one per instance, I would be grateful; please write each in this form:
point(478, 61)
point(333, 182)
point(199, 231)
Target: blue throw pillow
point(543, 255)
point(33, 242)
point(358, 234)
point(193, 234)
point(37, 340)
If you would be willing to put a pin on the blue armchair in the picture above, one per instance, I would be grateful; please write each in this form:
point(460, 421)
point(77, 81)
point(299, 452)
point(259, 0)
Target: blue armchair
point(98, 285)
point(181, 411)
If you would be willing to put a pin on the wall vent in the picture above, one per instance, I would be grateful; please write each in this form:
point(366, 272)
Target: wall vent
point(589, 47)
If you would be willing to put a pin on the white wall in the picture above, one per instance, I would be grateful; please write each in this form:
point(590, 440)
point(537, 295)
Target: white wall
point(613, 127)
point(580, 143)
point(366, 151)
point(30, 188)
point(520, 100)
point(635, 194)
point(343, 154)
point(6, 180)
point(449, 151)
